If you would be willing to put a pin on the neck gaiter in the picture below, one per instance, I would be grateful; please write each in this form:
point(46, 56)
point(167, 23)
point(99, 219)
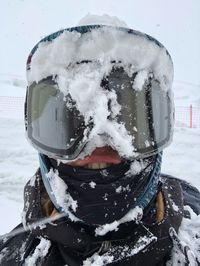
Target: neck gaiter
point(100, 196)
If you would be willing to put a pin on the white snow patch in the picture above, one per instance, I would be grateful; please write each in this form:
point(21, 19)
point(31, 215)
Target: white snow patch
point(92, 184)
point(136, 167)
point(62, 196)
point(97, 260)
point(40, 252)
point(133, 215)
point(82, 82)
point(140, 79)
point(32, 181)
point(189, 235)
point(175, 207)
point(125, 252)
point(104, 45)
point(120, 189)
point(147, 144)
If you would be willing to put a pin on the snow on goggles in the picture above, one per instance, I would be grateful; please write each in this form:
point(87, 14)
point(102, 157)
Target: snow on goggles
point(59, 130)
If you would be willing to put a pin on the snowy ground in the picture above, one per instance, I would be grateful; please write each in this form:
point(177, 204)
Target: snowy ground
point(18, 160)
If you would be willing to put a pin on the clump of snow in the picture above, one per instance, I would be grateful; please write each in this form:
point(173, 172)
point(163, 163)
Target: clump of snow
point(189, 236)
point(32, 181)
point(175, 207)
point(63, 198)
point(104, 45)
point(147, 144)
point(105, 19)
point(136, 167)
point(140, 79)
point(121, 188)
point(105, 197)
point(98, 260)
point(92, 184)
point(40, 252)
point(133, 215)
point(111, 134)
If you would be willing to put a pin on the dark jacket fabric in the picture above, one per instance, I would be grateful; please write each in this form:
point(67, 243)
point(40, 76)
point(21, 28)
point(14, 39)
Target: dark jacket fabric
point(63, 242)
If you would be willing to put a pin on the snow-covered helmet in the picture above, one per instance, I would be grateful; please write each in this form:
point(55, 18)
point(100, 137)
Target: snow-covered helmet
point(99, 82)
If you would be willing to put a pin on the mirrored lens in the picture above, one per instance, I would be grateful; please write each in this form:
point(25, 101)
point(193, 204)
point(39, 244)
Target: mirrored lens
point(147, 113)
point(53, 125)
point(56, 128)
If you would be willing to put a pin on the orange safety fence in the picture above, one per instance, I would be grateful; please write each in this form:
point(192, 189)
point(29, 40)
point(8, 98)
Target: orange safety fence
point(185, 116)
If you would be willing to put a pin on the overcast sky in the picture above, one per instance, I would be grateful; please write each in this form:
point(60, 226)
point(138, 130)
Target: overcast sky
point(175, 23)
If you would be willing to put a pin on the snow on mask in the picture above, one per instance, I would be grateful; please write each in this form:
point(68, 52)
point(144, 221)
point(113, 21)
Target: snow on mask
point(63, 198)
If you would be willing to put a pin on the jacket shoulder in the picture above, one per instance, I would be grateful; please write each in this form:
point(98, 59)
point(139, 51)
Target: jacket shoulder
point(191, 195)
point(27, 249)
point(14, 246)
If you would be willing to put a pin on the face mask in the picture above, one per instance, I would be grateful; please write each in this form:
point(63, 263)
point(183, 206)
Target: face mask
point(100, 196)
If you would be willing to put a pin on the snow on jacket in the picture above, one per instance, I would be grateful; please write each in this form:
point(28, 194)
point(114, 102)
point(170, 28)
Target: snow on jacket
point(173, 241)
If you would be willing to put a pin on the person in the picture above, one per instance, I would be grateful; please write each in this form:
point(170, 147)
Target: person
point(99, 110)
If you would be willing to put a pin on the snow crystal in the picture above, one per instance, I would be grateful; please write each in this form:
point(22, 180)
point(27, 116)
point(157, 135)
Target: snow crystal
point(104, 172)
point(92, 184)
point(40, 252)
point(105, 197)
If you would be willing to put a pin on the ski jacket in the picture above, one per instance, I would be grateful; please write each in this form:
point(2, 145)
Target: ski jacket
point(143, 243)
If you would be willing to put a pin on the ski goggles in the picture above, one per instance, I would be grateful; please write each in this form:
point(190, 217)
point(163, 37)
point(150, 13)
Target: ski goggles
point(59, 130)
